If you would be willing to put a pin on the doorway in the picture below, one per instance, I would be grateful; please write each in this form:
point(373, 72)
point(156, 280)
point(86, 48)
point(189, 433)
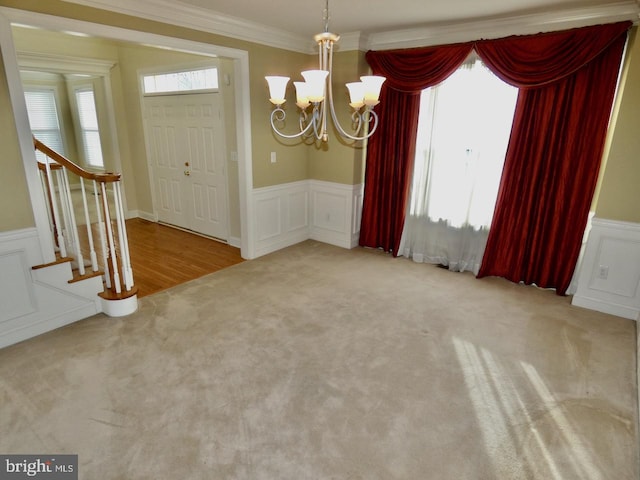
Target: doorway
point(239, 78)
point(187, 157)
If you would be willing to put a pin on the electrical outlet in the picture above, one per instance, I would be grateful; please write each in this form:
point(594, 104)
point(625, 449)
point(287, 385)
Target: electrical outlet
point(603, 272)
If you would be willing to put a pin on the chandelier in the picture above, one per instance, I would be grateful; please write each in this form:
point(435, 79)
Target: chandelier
point(316, 91)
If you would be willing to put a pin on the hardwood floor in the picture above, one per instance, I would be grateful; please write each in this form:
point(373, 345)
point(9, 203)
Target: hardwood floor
point(163, 257)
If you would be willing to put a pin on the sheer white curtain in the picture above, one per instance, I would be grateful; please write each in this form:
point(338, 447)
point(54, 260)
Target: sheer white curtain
point(463, 132)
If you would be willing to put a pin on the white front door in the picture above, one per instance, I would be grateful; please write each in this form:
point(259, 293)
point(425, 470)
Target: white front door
point(185, 138)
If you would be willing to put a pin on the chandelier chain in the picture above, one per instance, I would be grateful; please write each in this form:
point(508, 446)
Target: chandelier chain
point(326, 17)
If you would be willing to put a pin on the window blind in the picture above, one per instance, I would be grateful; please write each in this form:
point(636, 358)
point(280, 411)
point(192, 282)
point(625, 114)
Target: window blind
point(43, 118)
point(89, 128)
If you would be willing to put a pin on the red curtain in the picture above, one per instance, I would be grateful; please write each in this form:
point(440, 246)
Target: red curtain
point(567, 82)
point(391, 150)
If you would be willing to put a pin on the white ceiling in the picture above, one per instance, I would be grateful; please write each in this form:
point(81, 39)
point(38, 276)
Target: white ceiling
point(374, 24)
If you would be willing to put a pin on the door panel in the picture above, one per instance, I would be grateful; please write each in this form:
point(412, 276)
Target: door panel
point(188, 155)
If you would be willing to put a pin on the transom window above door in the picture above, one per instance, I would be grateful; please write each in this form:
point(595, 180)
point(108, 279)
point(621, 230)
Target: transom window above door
point(182, 81)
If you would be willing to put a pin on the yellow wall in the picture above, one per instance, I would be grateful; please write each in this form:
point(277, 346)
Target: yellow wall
point(291, 156)
point(619, 195)
point(15, 205)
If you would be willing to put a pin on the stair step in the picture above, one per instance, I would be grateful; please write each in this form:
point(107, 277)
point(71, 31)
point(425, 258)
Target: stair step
point(110, 294)
point(78, 278)
point(58, 261)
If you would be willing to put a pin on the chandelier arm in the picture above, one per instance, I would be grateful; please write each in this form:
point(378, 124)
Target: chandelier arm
point(279, 114)
point(335, 117)
point(318, 118)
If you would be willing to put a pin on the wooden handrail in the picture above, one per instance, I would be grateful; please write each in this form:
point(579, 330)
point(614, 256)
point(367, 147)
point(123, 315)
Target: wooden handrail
point(65, 162)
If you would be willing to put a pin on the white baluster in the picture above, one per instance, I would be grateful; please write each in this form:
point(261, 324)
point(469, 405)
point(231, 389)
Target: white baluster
point(87, 219)
point(64, 208)
point(112, 246)
point(56, 214)
point(125, 259)
point(103, 236)
point(45, 186)
point(65, 194)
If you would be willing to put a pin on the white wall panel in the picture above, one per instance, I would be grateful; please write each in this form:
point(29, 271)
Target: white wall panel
point(281, 214)
point(16, 292)
point(609, 277)
point(291, 213)
point(336, 210)
point(37, 301)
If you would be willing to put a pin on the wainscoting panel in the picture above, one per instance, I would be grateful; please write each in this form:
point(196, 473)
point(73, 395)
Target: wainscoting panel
point(281, 216)
point(291, 213)
point(36, 301)
point(336, 212)
point(609, 277)
point(16, 292)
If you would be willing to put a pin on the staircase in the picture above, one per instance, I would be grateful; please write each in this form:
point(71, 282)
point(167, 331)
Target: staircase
point(87, 223)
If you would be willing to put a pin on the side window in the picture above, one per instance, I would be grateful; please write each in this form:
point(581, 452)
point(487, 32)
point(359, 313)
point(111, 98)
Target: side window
point(43, 118)
point(88, 125)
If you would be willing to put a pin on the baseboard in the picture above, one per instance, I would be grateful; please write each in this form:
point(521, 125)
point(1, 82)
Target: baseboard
point(44, 325)
point(143, 215)
point(600, 305)
point(235, 242)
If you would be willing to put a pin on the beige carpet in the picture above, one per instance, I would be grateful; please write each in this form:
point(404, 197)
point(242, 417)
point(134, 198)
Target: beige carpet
point(322, 363)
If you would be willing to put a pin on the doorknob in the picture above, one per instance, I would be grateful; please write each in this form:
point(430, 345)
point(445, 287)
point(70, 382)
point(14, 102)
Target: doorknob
point(187, 172)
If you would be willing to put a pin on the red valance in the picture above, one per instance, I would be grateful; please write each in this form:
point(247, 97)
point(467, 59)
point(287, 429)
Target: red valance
point(413, 70)
point(535, 60)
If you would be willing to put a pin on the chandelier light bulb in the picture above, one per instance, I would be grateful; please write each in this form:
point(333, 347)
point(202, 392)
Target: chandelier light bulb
point(277, 89)
point(356, 94)
point(316, 83)
point(302, 95)
point(372, 86)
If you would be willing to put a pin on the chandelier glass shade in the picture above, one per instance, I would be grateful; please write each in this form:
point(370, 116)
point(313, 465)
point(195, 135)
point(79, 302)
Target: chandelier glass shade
point(316, 92)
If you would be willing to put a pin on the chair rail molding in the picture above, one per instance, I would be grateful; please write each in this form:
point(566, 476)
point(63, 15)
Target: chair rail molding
point(609, 277)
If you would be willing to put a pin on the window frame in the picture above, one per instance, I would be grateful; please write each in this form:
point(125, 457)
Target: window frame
point(168, 71)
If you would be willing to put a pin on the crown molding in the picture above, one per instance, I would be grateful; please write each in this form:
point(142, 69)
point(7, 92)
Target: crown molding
point(503, 27)
point(206, 20)
point(63, 64)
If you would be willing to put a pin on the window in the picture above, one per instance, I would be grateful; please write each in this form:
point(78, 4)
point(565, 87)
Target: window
point(43, 118)
point(89, 132)
point(203, 79)
point(463, 132)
